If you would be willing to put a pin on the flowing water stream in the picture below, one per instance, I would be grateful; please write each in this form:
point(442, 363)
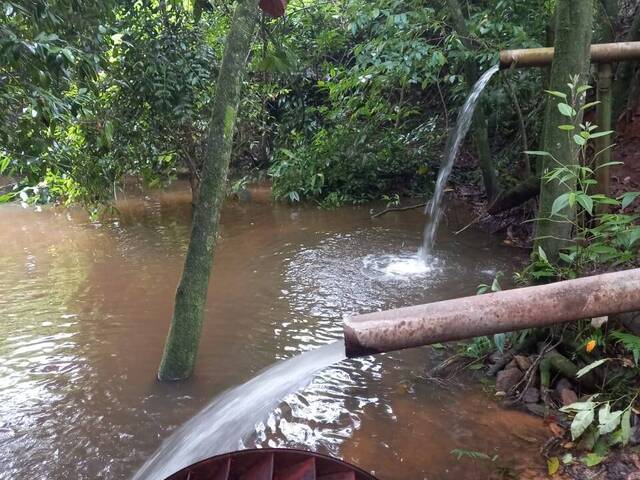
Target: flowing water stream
point(85, 307)
point(454, 142)
point(225, 422)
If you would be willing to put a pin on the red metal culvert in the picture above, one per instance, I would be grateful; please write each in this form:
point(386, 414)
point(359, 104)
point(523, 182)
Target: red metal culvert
point(271, 464)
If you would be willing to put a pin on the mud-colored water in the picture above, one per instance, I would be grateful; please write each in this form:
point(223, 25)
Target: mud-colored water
point(85, 306)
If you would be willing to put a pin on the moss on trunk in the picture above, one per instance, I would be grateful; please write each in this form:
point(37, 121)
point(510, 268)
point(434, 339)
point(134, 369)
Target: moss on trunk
point(574, 22)
point(181, 347)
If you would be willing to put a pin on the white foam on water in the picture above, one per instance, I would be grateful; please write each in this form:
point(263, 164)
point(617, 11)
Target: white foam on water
point(409, 266)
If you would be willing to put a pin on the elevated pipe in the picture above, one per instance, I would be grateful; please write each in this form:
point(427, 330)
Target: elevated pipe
point(499, 312)
point(600, 53)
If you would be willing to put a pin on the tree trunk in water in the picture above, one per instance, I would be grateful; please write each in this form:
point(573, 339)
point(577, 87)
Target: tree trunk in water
point(181, 347)
point(479, 123)
point(574, 21)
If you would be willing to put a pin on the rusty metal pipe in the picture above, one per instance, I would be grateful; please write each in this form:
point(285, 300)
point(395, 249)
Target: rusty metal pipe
point(505, 311)
point(600, 53)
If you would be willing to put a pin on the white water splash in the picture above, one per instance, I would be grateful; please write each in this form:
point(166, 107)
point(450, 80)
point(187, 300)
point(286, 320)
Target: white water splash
point(401, 267)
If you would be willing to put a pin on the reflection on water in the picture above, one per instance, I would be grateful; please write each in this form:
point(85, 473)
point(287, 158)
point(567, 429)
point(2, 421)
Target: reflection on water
point(84, 308)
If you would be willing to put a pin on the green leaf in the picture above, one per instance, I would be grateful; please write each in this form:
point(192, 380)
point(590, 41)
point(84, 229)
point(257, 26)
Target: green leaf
point(589, 105)
point(567, 258)
point(608, 164)
point(542, 254)
point(7, 197)
point(601, 134)
point(567, 110)
point(567, 128)
point(559, 204)
point(500, 339)
point(586, 202)
point(557, 94)
point(4, 164)
point(553, 465)
point(604, 200)
point(579, 406)
point(625, 426)
point(608, 420)
point(583, 371)
point(537, 152)
point(592, 459)
point(630, 342)
point(632, 237)
point(579, 140)
point(581, 422)
point(628, 198)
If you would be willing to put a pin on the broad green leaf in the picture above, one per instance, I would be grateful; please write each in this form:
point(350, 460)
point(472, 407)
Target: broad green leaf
point(579, 140)
point(567, 458)
point(583, 88)
point(567, 128)
point(567, 110)
point(553, 465)
point(579, 406)
point(586, 202)
point(592, 459)
point(628, 198)
point(581, 422)
point(632, 237)
point(583, 371)
point(608, 420)
point(500, 339)
point(567, 258)
point(559, 204)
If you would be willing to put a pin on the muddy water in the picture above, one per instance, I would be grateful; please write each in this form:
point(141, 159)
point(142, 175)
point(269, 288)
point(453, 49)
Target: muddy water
point(84, 308)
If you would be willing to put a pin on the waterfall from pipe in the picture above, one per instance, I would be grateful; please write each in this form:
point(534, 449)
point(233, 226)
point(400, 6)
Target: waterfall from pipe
point(232, 416)
point(454, 142)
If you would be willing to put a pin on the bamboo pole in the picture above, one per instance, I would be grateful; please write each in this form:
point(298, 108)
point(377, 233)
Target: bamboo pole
point(600, 53)
point(499, 312)
point(604, 113)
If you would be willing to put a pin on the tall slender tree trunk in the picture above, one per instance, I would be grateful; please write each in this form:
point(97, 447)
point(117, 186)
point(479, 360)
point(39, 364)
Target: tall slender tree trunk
point(574, 23)
point(181, 346)
point(479, 123)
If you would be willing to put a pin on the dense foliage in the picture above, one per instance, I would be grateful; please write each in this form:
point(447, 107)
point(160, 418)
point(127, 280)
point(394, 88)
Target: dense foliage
point(345, 100)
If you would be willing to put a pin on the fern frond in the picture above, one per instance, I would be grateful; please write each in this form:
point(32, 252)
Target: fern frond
point(630, 342)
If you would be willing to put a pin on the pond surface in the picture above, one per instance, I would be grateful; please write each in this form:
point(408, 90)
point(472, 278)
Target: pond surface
point(85, 306)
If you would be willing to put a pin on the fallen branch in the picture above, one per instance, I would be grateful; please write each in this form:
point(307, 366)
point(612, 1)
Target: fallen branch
point(473, 222)
point(398, 209)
